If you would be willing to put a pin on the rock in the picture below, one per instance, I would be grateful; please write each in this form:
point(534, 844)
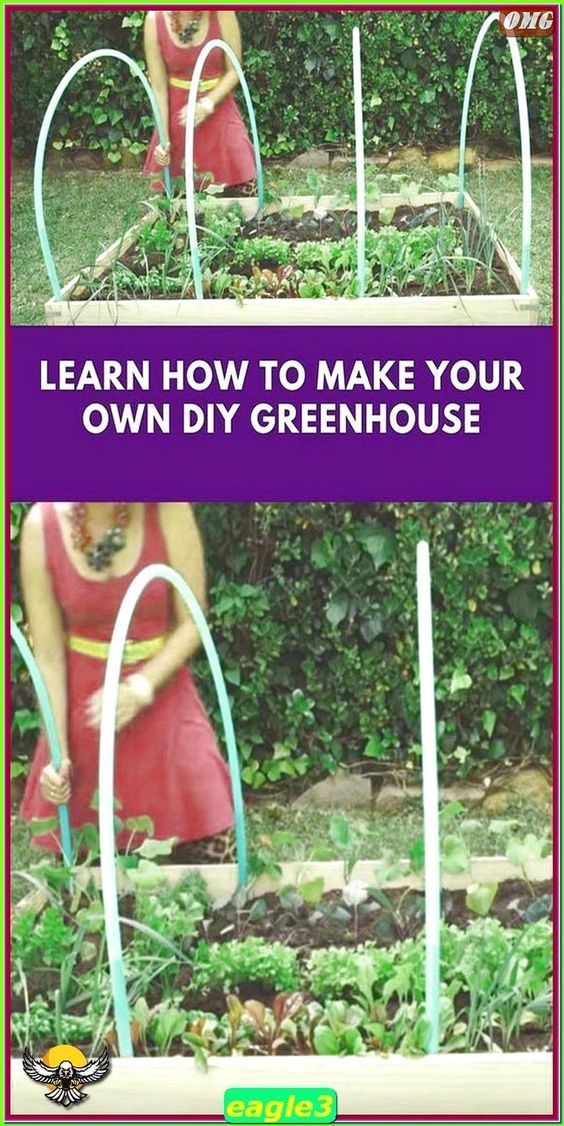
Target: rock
point(130, 159)
point(526, 782)
point(378, 158)
point(314, 158)
point(392, 799)
point(341, 161)
point(411, 155)
point(343, 789)
point(446, 160)
point(501, 164)
point(88, 160)
point(498, 801)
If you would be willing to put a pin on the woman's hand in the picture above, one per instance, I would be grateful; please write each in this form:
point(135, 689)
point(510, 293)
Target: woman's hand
point(55, 784)
point(129, 704)
point(162, 155)
point(203, 110)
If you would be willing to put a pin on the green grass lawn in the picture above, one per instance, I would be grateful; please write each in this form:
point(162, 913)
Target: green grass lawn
point(285, 832)
point(298, 833)
point(86, 211)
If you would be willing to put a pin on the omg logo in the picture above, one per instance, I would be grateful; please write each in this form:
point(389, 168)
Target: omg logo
point(526, 21)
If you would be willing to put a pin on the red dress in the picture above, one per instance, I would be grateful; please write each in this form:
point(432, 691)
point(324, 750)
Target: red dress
point(167, 763)
point(222, 147)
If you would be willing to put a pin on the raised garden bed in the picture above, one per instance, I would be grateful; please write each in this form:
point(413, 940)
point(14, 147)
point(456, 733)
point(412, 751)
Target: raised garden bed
point(427, 263)
point(308, 969)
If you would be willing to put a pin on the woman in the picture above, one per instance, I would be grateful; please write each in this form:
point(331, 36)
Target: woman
point(222, 150)
point(77, 561)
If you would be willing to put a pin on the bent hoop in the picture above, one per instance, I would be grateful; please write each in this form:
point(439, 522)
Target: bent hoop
point(106, 771)
point(42, 144)
point(50, 728)
point(189, 148)
point(525, 140)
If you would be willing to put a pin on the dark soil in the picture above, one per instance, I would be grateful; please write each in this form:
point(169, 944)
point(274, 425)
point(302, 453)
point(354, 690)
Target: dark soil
point(306, 928)
point(339, 224)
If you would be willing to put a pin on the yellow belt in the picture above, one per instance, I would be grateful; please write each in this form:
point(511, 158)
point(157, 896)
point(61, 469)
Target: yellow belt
point(133, 652)
point(185, 84)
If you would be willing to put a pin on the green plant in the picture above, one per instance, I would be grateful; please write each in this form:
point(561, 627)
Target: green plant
point(347, 841)
point(175, 913)
point(44, 941)
point(264, 250)
point(338, 1033)
point(226, 965)
point(507, 975)
point(168, 1023)
point(335, 972)
point(314, 255)
point(480, 897)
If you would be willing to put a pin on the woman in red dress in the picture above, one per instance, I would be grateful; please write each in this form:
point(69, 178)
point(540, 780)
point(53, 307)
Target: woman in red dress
point(223, 153)
point(77, 562)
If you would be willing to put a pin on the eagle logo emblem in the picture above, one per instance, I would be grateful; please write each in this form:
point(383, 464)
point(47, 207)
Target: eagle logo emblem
point(62, 1068)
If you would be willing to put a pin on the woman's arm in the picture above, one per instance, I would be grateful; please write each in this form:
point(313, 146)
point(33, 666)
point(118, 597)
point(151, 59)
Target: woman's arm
point(158, 74)
point(230, 33)
point(185, 554)
point(47, 631)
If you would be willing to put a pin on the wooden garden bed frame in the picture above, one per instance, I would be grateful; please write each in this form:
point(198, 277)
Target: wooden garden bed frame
point(476, 309)
point(485, 1084)
point(221, 879)
point(490, 1084)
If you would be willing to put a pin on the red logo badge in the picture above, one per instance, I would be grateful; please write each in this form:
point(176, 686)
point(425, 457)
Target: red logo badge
point(526, 21)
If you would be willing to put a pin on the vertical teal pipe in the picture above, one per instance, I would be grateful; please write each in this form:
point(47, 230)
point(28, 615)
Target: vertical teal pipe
point(50, 728)
point(189, 148)
point(430, 797)
point(524, 129)
point(106, 772)
point(104, 52)
point(359, 162)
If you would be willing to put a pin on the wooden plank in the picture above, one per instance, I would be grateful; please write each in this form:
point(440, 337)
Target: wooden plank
point(221, 879)
point(511, 265)
point(475, 309)
point(518, 1084)
point(107, 257)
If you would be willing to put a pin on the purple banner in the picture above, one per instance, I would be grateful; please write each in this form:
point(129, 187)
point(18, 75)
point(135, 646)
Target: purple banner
point(432, 426)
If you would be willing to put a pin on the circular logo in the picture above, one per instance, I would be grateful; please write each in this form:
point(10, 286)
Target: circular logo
point(65, 1057)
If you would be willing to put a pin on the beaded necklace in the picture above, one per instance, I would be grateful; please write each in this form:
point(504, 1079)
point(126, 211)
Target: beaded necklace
point(184, 31)
point(99, 555)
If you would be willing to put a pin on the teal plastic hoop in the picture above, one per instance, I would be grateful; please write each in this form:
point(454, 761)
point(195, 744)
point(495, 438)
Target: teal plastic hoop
point(189, 148)
point(106, 772)
point(359, 162)
point(525, 141)
point(50, 728)
point(104, 52)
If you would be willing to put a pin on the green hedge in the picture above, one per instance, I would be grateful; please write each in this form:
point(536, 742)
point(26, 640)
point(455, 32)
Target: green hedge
point(313, 610)
point(299, 69)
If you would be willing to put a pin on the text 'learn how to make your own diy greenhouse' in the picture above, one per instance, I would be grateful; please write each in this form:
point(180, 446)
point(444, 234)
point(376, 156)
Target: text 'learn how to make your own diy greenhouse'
point(389, 376)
